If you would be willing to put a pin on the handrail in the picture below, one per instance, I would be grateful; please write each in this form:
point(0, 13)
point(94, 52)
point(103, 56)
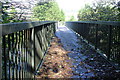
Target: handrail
point(103, 35)
point(14, 27)
point(114, 23)
point(23, 47)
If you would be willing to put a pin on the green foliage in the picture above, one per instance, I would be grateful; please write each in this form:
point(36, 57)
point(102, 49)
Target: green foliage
point(9, 13)
point(99, 11)
point(118, 7)
point(86, 13)
point(72, 18)
point(48, 11)
point(8, 17)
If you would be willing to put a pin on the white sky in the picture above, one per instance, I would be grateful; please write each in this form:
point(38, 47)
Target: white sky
point(71, 7)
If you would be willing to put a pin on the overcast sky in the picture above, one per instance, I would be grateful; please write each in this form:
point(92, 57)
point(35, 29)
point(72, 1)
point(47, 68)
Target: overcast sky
point(71, 7)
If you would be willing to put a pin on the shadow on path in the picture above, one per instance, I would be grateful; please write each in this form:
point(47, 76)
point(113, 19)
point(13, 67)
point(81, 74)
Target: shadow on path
point(87, 63)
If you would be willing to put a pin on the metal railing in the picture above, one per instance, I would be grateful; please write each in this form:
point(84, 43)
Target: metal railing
point(23, 47)
point(103, 35)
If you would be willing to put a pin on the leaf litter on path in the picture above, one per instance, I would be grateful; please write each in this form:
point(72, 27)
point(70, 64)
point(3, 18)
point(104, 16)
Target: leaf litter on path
point(57, 64)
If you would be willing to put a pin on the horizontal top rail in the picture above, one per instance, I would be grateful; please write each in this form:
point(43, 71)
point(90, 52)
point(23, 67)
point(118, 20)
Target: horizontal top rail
point(114, 23)
point(14, 27)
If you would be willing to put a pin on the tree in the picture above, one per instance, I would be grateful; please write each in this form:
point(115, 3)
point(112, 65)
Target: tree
point(62, 16)
point(8, 13)
point(101, 10)
point(45, 11)
point(14, 11)
point(117, 6)
point(86, 13)
point(72, 18)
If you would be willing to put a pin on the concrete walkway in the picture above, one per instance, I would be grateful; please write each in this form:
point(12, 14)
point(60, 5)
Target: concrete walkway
point(71, 43)
point(87, 63)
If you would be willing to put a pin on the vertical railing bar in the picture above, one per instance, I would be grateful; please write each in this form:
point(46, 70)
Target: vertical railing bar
point(87, 36)
point(109, 42)
point(42, 38)
point(41, 33)
point(45, 44)
point(22, 54)
point(29, 49)
point(47, 36)
point(25, 53)
point(26, 49)
point(84, 29)
point(16, 58)
point(34, 50)
point(13, 65)
point(9, 54)
point(7, 57)
point(4, 59)
point(30, 37)
point(96, 35)
point(19, 53)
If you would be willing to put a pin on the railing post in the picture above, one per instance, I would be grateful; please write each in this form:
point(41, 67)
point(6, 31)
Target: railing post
point(96, 35)
point(109, 42)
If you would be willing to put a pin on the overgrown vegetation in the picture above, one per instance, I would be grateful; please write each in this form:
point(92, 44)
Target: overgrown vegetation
point(100, 10)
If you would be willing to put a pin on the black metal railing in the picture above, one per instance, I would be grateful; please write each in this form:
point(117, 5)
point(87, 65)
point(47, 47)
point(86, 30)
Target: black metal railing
point(23, 47)
point(104, 35)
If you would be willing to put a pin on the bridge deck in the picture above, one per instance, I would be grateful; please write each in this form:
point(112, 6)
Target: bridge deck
point(86, 61)
point(24, 47)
